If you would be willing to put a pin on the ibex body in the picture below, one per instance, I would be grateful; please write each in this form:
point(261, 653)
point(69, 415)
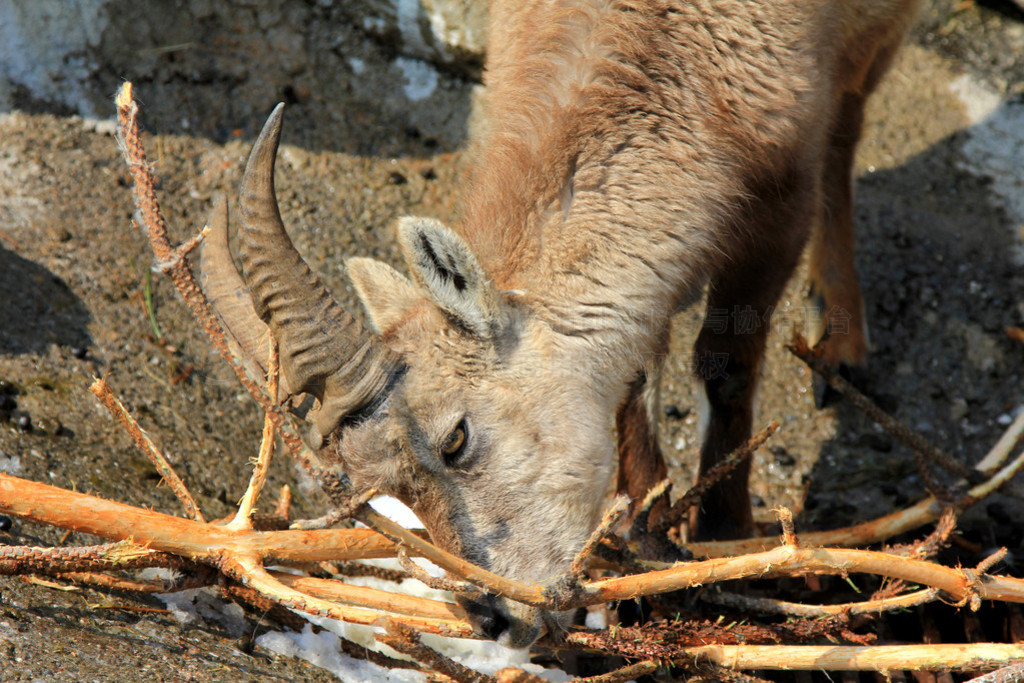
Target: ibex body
point(635, 153)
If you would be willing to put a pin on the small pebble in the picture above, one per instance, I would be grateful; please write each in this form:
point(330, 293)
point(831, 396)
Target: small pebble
point(396, 178)
point(673, 412)
point(6, 523)
point(23, 421)
point(958, 409)
point(876, 442)
point(48, 425)
point(429, 174)
point(79, 352)
point(783, 458)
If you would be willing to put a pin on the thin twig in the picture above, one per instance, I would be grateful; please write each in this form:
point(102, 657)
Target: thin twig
point(18, 559)
point(1008, 674)
point(181, 275)
point(117, 583)
point(103, 392)
point(262, 467)
point(407, 641)
point(797, 609)
point(713, 476)
point(284, 503)
point(992, 560)
point(439, 583)
point(371, 598)
point(917, 443)
point(785, 516)
point(614, 513)
point(1001, 451)
point(626, 673)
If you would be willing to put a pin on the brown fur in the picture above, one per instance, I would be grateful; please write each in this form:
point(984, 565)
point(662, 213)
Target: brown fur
point(635, 152)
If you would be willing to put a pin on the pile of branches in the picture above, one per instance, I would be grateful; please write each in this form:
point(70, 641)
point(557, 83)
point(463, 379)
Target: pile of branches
point(235, 555)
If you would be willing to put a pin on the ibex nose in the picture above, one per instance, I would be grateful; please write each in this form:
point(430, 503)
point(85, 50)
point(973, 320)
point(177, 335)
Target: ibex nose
point(487, 619)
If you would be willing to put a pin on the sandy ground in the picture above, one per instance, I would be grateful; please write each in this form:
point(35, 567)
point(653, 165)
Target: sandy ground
point(940, 260)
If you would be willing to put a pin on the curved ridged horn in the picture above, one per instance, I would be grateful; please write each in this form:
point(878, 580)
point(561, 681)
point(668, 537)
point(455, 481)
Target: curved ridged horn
point(324, 351)
point(247, 336)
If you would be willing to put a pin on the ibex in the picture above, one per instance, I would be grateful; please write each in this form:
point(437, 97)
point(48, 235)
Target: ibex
point(636, 153)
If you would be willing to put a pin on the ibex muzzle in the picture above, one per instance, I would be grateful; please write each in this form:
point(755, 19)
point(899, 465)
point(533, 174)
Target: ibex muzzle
point(635, 153)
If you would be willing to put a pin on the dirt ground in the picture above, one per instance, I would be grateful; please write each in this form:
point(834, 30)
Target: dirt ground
point(938, 257)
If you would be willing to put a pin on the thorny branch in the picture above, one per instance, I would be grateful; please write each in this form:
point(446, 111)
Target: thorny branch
point(716, 474)
point(239, 552)
point(917, 443)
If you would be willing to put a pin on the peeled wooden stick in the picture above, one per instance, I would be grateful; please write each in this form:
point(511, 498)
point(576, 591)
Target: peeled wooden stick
point(161, 532)
point(969, 656)
point(247, 570)
point(1001, 451)
point(960, 585)
point(798, 609)
point(371, 598)
point(618, 508)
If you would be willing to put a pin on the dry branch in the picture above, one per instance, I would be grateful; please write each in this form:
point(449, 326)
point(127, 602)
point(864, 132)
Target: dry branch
point(105, 394)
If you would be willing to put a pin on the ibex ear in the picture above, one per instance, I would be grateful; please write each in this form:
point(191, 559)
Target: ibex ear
point(387, 295)
point(445, 266)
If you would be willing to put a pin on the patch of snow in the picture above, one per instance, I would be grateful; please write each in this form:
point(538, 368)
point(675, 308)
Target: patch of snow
point(994, 149)
point(323, 650)
point(396, 511)
point(9, 464)
point(595, 619)
point(979, 101)
point(420, 78)
point(45, 46)
point(407, 12)
point(198, 604)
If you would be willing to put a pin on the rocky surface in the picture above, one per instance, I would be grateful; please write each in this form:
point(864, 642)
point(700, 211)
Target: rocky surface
point(375, 128)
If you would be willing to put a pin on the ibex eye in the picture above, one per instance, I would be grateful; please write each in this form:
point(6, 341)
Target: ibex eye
point(454, 444)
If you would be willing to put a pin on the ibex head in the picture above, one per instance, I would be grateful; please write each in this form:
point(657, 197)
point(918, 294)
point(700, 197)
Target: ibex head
point(453, 405)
